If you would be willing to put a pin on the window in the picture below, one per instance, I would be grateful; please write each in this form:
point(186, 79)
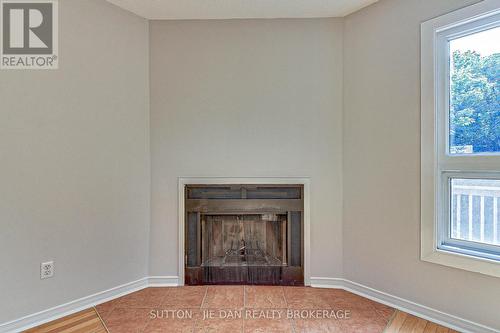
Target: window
point(474, 210)
point(474, 112)
point(471, 225)
point(460, 198)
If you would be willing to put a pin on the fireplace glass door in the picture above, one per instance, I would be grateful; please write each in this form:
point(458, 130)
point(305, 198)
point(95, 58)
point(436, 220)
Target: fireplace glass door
point(234, 239)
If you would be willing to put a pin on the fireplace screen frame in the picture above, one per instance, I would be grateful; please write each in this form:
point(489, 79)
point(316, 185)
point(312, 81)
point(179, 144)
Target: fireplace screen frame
point(202, 202)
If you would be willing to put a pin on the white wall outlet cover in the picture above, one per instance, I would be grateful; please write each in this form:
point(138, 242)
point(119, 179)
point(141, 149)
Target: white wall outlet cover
point(46, 270)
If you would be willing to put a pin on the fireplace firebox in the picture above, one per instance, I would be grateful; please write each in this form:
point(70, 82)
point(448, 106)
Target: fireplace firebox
point(244, 234)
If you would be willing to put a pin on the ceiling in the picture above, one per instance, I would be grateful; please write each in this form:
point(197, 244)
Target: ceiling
point(232, 9)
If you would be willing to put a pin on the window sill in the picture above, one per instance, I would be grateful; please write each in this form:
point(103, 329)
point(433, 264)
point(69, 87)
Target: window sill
point(463, 261)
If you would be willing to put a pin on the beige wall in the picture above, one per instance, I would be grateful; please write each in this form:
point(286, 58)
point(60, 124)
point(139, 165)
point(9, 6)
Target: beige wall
point(247, 98)
point(382, 165)
point(74, 160)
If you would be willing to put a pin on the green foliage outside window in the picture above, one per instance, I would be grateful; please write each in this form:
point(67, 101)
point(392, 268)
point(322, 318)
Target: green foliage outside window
point(475, 102)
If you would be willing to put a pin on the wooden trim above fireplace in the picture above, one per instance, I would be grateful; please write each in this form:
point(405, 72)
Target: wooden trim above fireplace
point(244, 205)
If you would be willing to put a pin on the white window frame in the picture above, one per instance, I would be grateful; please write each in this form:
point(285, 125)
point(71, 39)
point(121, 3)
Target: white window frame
point(438, 167)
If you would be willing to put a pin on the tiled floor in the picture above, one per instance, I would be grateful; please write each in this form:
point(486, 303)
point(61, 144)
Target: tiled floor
point(233, 309)
point(262, 309)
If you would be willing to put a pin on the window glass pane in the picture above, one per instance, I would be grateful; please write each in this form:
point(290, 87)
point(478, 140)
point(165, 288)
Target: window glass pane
point(475, 93)
point(475, 209)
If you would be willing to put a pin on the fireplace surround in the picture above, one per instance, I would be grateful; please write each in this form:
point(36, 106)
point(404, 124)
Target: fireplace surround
point(243, 233)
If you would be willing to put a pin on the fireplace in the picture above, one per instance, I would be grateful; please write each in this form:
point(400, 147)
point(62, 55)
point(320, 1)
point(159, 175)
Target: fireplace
point(244, 234)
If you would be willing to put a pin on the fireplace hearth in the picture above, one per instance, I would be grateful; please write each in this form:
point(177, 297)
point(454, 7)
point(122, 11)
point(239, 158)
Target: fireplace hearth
point(244, 234)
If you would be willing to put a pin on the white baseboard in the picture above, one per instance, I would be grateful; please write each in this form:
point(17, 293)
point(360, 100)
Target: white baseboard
point(163, 281)
point(322, 282)
point(66, 309)
point(422, 311)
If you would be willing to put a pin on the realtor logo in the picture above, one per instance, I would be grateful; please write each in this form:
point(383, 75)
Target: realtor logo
point(29, 34)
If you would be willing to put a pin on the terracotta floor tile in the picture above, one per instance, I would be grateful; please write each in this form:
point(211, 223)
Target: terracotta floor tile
point(123, 315)
point(164, 324)
point(317, 326)
point(305, 298)
point(364, 314)
point(341, 299)
point(125, 320)
point(224, 297)
point(219, 325)
point(386, 312)
point(264, 297)
point(268, 326)
point(145, 298)
point(364, 321)
point(184, 297)
point(106, 308)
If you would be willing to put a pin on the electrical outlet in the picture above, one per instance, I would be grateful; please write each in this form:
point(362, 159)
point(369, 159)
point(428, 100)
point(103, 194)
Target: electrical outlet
point(46, 270)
